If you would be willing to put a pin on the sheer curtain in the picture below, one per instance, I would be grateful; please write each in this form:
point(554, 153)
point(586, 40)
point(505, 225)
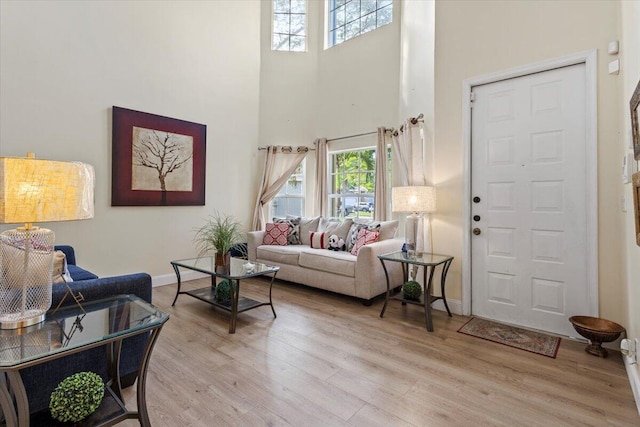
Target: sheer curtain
point(321, 193)
point(382, 206)
point(280, 163)
point(408, 150)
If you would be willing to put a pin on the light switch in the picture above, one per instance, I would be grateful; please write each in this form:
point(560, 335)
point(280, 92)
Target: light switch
point(614, 47)
point(614, 67)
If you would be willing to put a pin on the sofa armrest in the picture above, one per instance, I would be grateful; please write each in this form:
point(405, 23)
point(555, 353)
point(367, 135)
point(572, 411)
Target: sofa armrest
point(254, 239)
point(69, 253)
point(94, 289)
point(370, 278)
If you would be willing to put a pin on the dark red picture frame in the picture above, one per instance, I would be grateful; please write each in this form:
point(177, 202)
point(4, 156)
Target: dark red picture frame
point(122, 193)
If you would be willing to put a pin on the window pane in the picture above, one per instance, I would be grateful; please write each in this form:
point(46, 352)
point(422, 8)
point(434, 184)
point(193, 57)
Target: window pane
point(281, 6)
point(383, 3)
point(339, 2)
point(281, 23)
point(297, 25)
point(369, 22)
point(298, 6)
point(339, 17)
point(297, 44)
point(368, 6)
point(280, 42)
point(352, 11)
point(384, 15)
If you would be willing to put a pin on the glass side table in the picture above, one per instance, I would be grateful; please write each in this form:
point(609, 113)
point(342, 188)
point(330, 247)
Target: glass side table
point(69, 330)
point(429, 262)
point(238, 269)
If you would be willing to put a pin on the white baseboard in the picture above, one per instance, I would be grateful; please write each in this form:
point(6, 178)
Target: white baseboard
point(170, 279)
point(633, 371)
point(454, 305)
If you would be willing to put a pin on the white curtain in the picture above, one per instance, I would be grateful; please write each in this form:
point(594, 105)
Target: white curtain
point(381, 208)
point(280, 163)
point(321, 194)
point(408, 151)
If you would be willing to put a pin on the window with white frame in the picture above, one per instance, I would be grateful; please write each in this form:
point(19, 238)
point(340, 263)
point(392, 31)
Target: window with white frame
point(352, 178)
point(350, 18)
point(290, 199)
point(289, 25)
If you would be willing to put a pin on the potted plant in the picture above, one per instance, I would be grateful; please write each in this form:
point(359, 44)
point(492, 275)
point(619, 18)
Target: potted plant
point(220, 233)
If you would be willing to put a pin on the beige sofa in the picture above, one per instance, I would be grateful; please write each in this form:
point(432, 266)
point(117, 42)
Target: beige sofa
point(360, 276)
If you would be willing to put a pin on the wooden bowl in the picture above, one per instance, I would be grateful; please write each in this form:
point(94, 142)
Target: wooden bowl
point(597, 331)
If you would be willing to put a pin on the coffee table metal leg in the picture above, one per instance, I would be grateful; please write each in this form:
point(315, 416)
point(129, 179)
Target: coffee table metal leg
point(235, 296)
point(427, 297)
point(386, 298)
point(443, 279)
point(175, 268)
point(143, 414)
point(270, 300)
point(113, 366)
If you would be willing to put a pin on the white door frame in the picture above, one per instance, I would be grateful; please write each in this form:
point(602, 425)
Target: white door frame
point(588, 58)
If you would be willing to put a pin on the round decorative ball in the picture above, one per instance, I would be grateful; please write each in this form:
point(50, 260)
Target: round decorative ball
point(412, 290)
point(76, 397)
point(223, 291)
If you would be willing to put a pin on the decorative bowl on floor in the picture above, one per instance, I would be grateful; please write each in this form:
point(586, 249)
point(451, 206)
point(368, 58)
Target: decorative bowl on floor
point(597, 331)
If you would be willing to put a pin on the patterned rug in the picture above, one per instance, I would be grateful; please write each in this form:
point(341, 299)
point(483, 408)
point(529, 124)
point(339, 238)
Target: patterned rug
point(531, 341)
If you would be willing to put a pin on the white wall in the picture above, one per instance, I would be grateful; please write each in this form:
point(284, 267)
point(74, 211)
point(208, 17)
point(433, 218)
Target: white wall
point(63, 64)
point(475, 38)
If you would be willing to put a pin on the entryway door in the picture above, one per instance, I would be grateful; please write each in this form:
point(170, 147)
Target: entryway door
point(529, 202)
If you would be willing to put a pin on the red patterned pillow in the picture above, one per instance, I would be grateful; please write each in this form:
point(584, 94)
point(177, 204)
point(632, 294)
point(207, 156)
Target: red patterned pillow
point(276, 234)
point(364, 238)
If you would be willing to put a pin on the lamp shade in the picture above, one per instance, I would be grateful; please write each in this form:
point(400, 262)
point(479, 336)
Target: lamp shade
point(413, 199)
point(34, 190)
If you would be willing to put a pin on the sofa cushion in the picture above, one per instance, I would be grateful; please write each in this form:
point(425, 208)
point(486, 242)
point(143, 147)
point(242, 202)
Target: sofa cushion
point(342, 263)
point(307, 225)
point(78, 273)
point(365, 237)
point(280, 254)
point(276, 234)
point(337, 227)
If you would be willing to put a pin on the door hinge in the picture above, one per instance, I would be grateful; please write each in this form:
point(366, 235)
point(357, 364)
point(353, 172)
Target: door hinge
point(472, 97)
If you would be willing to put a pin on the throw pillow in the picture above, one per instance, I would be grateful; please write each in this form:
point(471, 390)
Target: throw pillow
point(307, 225)
point(355, 230)
point(293, 234)
point(337, 227)
point(364, 238)
point(60, 269)
point(276, 234)
point(317, 240)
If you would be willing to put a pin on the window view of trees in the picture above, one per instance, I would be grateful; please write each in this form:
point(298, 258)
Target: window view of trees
point(289, 25)
point(351, 18)
point(352, 183)
point(290, 198)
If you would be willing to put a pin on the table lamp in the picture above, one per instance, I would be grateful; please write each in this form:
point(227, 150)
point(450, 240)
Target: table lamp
point(34, 190)
point(414, 200)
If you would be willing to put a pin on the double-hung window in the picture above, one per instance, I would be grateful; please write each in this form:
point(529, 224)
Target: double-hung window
point(352, 177)
point(290, 198)
point(289, 25)
point(350, 18)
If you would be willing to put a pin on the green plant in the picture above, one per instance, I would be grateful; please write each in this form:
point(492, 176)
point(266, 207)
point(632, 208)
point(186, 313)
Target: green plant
point(223, 291)
point(412, 290)
point(220, 232)
point(76, 397)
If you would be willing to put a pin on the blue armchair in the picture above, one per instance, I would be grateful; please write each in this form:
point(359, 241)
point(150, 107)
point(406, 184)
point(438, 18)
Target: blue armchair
point(41, 380)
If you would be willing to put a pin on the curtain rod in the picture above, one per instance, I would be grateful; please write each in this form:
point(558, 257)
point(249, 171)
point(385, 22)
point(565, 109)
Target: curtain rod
point(414, 120)
point(288, 148)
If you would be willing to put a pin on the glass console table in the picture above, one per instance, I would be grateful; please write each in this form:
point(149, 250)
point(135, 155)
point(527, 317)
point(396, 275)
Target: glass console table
point(71, 330)
point(429, 262)
point(238, 269)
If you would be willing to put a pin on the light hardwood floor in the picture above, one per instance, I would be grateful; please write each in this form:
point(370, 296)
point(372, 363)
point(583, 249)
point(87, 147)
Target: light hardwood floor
point(327, 360)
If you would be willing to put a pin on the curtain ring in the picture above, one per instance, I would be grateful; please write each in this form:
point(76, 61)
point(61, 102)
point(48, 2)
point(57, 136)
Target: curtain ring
point(302, 149)
point(287, 149)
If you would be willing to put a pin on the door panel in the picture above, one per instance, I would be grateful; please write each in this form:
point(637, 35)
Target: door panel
point(529, 169)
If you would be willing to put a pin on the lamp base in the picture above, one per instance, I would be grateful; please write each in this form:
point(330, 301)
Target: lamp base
point(26, 261)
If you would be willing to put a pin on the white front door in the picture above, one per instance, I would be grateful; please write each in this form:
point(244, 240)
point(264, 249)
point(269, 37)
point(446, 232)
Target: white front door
point(529, 203)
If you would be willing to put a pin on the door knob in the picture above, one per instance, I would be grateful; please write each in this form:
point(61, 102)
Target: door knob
point(476, 218)
point(476, 199)
point(477, 231)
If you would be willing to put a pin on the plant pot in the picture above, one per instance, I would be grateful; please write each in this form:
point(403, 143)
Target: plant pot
point(223, 263)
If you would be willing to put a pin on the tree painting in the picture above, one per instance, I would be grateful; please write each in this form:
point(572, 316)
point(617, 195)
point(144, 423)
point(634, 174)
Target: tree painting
point(161, 161)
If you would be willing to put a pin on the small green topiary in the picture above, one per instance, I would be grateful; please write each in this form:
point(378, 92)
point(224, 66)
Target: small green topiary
point(412, 290)
point(223, 291)
point(76, 397)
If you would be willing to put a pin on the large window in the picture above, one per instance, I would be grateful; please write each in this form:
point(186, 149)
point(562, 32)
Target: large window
point(289, 25)
point(352, 181)
point(350, 18)
point(290, 198)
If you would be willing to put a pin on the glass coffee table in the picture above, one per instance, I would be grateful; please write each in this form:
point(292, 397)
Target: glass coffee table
point(72, 330)
point(238, 269)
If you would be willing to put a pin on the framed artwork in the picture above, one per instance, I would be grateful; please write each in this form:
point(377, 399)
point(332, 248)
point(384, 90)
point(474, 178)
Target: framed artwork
point(156, 160)
point(635, 126)
point(636, 204)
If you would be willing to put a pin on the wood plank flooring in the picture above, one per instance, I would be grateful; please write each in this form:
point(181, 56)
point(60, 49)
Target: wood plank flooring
point(327, 360)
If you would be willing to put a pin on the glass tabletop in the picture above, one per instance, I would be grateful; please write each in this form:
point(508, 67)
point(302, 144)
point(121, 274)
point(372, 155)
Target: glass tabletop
point(239, 269)
point(417, 258)
point(70, 328)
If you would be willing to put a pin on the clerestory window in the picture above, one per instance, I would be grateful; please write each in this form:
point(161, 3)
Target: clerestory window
point(289, 25)
point(350, 18)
